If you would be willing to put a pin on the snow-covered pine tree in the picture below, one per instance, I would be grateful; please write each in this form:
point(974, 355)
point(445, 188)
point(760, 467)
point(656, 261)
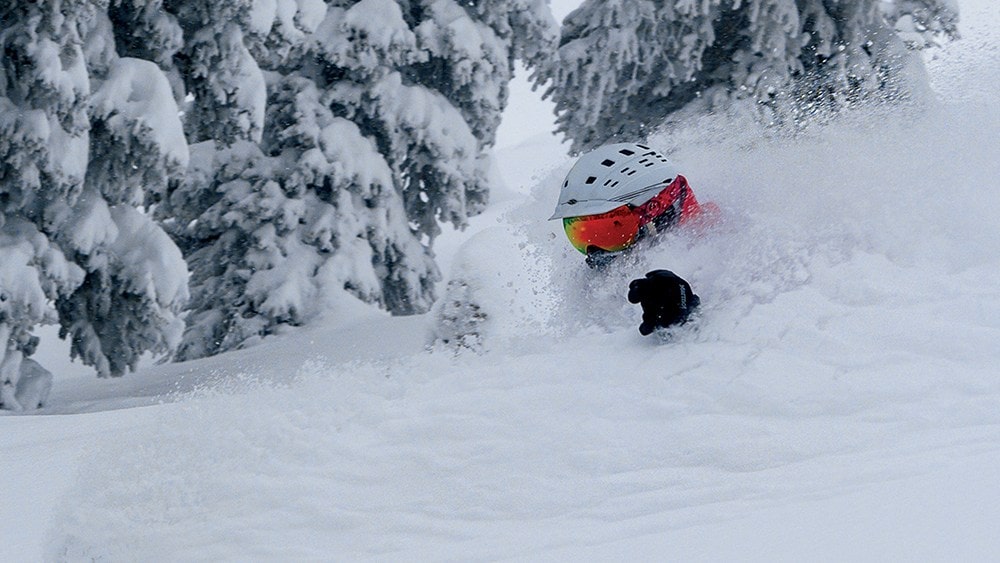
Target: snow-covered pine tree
point(427, 81)
point(624, 65)
point(470, 52)
point(218, 73)
point(78, 150)
point(378, 115)
point(224, 118)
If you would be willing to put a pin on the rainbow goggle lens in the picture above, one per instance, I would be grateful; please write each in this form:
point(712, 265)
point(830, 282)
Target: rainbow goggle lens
point(613, 231)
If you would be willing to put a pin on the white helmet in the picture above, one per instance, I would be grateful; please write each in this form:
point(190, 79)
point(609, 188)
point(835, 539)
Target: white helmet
point(611, 176)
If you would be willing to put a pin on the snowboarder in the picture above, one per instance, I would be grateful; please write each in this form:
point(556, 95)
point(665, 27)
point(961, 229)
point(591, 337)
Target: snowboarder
point(617, 195)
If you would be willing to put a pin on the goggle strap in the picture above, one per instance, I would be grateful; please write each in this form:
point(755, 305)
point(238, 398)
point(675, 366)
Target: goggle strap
point(676, 194)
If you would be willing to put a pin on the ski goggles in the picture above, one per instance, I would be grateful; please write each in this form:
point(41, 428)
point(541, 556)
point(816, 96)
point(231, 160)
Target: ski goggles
point(613, 231)
point(620, 228)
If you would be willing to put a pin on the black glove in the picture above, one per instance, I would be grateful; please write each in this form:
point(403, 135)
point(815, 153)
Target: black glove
point(666, 300)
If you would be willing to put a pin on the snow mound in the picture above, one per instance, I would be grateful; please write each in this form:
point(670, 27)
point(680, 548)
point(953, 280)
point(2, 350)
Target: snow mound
point(496, 296)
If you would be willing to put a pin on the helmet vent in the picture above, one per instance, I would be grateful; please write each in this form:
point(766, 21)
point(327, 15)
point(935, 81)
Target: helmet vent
point(608, 162)
point(627, 152)
point(643, 147)
point(591, 180)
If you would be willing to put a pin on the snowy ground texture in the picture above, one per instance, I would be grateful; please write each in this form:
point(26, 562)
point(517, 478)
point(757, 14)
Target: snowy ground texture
point(838, 399)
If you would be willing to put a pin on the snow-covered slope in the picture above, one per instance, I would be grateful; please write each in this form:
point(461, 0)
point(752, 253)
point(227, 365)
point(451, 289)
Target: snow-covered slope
point(839, 398)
